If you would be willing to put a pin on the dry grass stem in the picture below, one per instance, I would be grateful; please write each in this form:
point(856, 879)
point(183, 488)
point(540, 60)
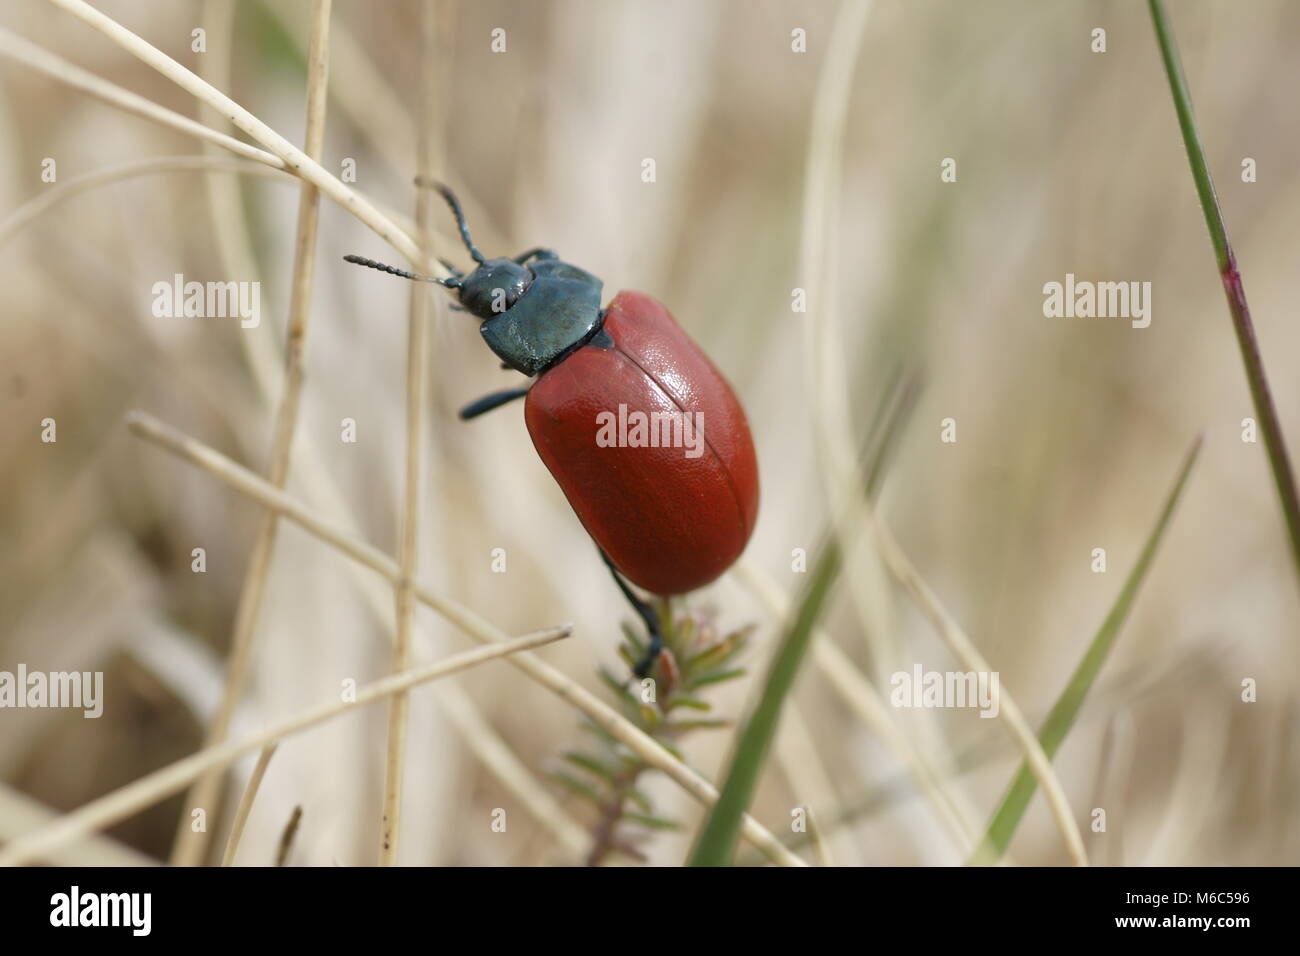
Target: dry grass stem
point(294, 158)
point(162, 783)
point(1009, 713)
point(21, 814)
point(861, 697)
point(28, 53)
point(42, 202)
point(190, 845)
point(408, 537)
point(471, 623)
point(246, 804)
point(833, 428)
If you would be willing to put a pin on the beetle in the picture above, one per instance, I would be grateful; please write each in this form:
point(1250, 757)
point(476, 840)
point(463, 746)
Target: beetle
point(667, 516)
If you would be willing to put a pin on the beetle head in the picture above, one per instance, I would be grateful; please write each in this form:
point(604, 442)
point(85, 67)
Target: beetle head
point(561, 312)
point(494, 287)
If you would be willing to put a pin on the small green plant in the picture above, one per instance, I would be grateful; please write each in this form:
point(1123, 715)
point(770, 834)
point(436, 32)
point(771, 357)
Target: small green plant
point(667, 706)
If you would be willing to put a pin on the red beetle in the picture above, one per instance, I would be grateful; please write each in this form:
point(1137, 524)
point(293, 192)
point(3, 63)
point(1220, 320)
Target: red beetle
point(643, 434)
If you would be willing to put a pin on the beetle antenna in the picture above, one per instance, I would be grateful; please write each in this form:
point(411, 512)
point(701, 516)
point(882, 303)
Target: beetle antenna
point(401, 273)
point(459, 213)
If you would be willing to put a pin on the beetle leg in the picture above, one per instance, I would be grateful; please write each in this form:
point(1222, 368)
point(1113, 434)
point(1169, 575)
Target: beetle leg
point(652, 653)
point(539, 253)
point(646, 613)
point(488, 402)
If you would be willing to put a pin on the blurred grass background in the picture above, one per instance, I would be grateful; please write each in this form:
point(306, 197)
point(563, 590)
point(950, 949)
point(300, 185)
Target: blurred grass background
point(1068, 429)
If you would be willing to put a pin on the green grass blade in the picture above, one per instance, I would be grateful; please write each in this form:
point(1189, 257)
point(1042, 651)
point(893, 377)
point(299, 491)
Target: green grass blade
point(1269, 423)
point(716, 844)
point(1063, 713)
point(717, 841)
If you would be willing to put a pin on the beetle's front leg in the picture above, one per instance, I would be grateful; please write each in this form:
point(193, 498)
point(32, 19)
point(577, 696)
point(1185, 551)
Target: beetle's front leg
point(488, 402)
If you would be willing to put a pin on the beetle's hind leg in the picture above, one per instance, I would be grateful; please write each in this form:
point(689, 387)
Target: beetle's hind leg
point(646, 613)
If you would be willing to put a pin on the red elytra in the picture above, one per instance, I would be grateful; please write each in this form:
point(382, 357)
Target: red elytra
point(671, 523)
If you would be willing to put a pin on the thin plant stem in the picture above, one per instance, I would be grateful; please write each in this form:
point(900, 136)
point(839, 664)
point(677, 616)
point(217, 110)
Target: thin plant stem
point(857, 692)
point(20, 814)
point(805, 773)
point(364, 93)
point(1009, 712)
point(231, 231)
point(717, 841)
point(832, 421)
point(45, 200)
point(246, 803)
point(190, 844)
point(1066, 709)
point(511, 771)
point(862, 698)
point(464, 618)
point(1126, 690)
point(29, 54)
point(484, 741)
point(408, 539)
point(1269, 424)
point(360, 91)
point(151, 788)
point(295, 159)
